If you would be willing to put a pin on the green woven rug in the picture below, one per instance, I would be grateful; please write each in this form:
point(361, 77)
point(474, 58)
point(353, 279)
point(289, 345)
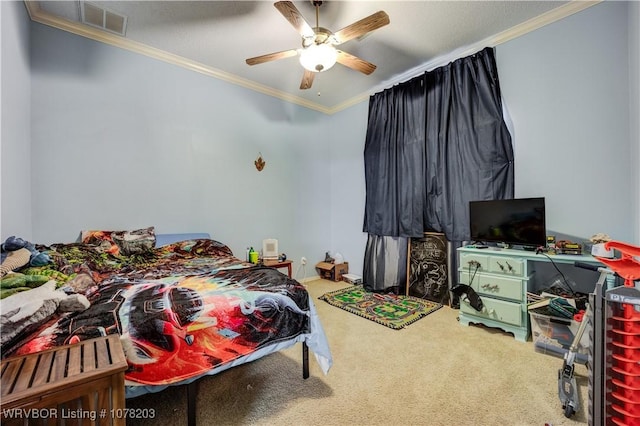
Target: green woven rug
point(392, 311)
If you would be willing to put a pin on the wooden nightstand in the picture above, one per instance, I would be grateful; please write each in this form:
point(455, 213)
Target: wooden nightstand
point(279, 264)
point(81, 383)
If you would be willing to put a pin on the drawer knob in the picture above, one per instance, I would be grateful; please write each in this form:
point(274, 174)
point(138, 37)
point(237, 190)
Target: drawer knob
point(490, 287)
point(474, 264)
point(489, 311)
point(504, 268)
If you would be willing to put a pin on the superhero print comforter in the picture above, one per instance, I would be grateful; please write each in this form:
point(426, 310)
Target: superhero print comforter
point(183, 310)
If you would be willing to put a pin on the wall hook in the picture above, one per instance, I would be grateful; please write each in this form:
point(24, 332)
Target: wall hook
point(260, 163)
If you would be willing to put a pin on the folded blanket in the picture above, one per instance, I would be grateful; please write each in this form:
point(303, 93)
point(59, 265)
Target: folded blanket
point(27, 310)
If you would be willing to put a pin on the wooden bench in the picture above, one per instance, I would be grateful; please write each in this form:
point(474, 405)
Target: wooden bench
point(79, 384)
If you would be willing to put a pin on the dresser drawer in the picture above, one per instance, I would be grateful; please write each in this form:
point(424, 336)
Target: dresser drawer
point(507, 265)
point(498, 310)
point(495, 286)
point(470, 261)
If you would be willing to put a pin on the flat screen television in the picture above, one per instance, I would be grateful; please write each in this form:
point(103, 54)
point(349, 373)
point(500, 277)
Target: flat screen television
point(517, 221)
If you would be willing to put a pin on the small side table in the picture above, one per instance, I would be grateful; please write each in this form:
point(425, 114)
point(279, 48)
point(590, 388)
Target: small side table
point(84, 379)
point(279, 264)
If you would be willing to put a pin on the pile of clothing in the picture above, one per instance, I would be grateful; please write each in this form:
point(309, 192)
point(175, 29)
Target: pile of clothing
point(16, 253)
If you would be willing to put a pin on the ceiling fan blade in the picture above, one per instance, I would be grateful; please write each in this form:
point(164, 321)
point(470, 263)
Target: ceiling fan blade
point(361, 27)
point(293, 15)
point(355, 63)
point(271, 57)
point(307, 79)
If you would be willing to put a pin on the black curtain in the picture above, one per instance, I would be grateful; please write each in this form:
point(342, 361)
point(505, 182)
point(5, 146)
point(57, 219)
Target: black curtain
point(433, 144)
point(394, 161)
point(468, 147)
point(395, 185)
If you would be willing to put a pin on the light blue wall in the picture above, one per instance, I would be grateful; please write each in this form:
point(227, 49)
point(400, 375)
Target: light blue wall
point(15, 148)
point(348, 131)
point(123, 141)
point(567, 89)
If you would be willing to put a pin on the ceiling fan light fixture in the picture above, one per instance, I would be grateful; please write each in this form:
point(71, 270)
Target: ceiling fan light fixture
point(318, 52)
point(318, 57)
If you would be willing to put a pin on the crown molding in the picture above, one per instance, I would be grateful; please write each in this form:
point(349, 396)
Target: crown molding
point(574, 6)
point(38, 15)
point(533, 24)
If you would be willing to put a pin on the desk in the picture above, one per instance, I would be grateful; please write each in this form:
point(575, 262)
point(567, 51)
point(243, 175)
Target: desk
point(502, 279)
point(279, 264)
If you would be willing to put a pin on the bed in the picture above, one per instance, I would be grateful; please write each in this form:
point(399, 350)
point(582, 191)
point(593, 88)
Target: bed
point(184, 307)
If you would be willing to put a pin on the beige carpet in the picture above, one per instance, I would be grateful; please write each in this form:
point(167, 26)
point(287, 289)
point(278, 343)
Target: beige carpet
point(434, 372)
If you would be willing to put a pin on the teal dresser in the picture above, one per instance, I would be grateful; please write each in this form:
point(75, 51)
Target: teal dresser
point(501, 279)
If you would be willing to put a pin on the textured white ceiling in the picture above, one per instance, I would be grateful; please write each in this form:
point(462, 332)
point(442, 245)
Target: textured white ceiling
point(220, 35)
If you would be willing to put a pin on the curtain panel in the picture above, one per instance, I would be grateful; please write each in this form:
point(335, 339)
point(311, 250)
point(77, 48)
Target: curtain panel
point(433, 144)
point(469, 155)
point(387, 266)
point(394, 161)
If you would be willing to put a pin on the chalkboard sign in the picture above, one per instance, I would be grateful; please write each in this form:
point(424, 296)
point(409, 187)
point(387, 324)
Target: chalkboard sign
point(427, 271)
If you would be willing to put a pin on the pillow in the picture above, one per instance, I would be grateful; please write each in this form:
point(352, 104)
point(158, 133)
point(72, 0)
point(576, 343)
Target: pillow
point(101, 239)
point(135, 242)
point(122, 243)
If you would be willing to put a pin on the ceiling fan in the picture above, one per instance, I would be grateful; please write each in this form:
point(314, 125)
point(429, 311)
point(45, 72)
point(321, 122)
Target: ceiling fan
point(318, 52)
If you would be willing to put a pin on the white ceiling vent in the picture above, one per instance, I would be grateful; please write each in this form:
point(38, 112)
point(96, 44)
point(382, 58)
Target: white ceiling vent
point(103, 18)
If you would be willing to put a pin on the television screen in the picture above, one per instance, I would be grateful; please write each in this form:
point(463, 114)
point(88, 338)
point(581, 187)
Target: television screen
point(518, 221)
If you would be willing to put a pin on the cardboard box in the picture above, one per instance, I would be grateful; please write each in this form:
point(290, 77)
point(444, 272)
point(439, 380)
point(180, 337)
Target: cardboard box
point(331, 271)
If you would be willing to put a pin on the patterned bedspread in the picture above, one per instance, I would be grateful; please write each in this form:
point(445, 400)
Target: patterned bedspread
point(181, 310)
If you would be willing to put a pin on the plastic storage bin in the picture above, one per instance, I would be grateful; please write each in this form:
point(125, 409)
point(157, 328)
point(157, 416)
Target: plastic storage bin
point(553, 335)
